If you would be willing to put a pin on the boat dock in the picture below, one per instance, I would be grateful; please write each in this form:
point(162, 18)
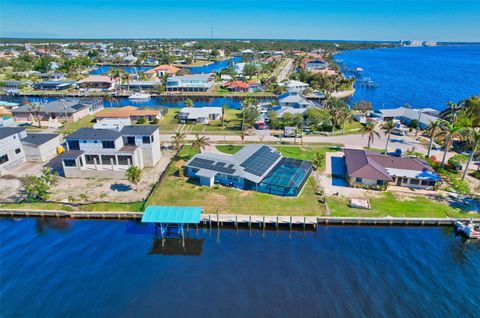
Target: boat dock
point(250, 221)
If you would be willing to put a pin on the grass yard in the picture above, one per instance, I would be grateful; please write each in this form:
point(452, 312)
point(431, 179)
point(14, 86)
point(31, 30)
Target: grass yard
point(387, 204)
point(169, 122)
point(102, 206)
point(70, 127)
point(177, 190)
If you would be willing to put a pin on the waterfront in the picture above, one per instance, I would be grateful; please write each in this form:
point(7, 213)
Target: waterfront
point(59, 268)
point(420, 76)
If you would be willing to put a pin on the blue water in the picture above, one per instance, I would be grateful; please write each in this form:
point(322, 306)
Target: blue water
point(105, 269)
point(421, 77)
point(213, 67)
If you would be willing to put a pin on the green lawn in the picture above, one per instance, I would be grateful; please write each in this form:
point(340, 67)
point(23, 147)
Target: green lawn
point(103, 206)
point(177, 190)
point(388, 205)
point(37, 206)
point(229, 149)
point(69, 127)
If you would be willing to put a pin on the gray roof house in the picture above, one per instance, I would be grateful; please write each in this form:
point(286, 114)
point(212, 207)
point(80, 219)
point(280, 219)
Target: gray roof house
point(11, 151)
point(424, 115)
point(201, 115)
point(190, 83)
point(60, 110)
point(293, 103)
point(254, 167)
point(40, 147)
point(370, 168)
point(108, 153)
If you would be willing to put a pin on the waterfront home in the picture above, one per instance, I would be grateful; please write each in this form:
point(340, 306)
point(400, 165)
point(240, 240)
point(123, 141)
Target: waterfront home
point(315, 65)
point(190, 83)
point(162, 70)
point(108, 153)
point(131, 112)
point(241, 86)
point(96, 82)
point(295, 101)
point(52, 76)
point(254, 167)
point(295, 86)
point(142, 85)
point(70, 110)
point(367, 168)
point(8, 105)
point(406, 115)
point(53, 85)
point(40, 147)
point(199, 115)
point(11, 152)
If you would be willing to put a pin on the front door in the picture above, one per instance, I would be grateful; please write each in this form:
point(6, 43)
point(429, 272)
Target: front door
point(399, 181)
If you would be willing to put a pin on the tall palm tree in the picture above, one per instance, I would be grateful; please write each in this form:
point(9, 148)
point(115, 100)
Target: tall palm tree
point(451, 112)
point(335, 108)
point(369, 130)
point(116, 75)
point(242, 136)
point(200, 142)
point(346, 116)
point(178, 139)
point(448, 133)
point(387, 128)
point(472, 136)
point(35, 108)
point(432, 131)
point(224, 109)
point(126, 77)
point(188, 103)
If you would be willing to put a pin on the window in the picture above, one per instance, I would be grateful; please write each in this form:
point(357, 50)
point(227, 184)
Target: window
point(405, 180)
point(107, 160)
point(359, 180)
point(424, 183)
point(146, 139)
point(124, 160)
point(90, 159)
point(69, 163)
point(431, 183)
point(151, 138)
point(379, 182)
point(73, 145)
point(129, 141)
point(108, 144)
point(18, 150)
point(414, 181)
point(3, 159)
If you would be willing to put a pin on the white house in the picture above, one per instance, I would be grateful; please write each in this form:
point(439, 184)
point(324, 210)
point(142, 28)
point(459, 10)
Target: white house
point(11, 150)
point(295, 86)
point(40, 147)
point(200, 115)
point(108, 153)
point(406, 115)
point(190, 83)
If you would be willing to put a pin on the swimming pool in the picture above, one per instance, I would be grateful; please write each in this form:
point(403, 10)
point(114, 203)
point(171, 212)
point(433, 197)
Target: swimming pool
point(286, 178)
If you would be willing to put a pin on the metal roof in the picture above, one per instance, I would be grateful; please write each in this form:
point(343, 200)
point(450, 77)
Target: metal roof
point(172, 214)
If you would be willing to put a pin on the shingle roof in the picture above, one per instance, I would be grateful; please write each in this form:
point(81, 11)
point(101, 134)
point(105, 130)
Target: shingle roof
point(94, 134)
point(360, 166)
point(38, 139)
point(8, 131)
point(143, 130)
point(59, 106)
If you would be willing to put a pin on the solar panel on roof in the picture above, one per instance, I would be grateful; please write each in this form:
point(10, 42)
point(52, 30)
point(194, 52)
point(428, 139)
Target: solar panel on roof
point(260, 161)
point(209, 164)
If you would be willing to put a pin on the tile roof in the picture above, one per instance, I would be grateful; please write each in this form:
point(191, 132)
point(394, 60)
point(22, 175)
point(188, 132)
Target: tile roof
point(169, 69)
point(96, 79)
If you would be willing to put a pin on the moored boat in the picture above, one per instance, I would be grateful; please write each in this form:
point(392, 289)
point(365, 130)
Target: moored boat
point(139, 96)
point(468, 229)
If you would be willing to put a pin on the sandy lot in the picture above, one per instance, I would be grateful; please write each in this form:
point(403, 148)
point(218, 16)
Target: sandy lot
point(10, 183)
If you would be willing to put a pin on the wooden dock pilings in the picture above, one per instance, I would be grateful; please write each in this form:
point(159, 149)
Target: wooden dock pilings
point(231, 220)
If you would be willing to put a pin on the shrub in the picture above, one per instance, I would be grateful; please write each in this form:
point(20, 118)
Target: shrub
point(141, 121)
point(155, 121)
point(460, 186)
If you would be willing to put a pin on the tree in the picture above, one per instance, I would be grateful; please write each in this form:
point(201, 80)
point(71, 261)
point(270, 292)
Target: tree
point(335, 107)
point(345, 116)
point(472, 137)
point(178, 139)
point(188, 103)
point(134, 174)
point(200, 142)
point(35, 108)
point(448, 133)
point(126, 77)
point(249, 70)
point(251, 113)
point(472, 110)
point(224, 109)
point(387, 129)
point(318, 159)
point(43, 64)
point(451, 112)
point(362, 106)
point(432, 131)
point(37, 188)
point(242, 136)
point(369, 130)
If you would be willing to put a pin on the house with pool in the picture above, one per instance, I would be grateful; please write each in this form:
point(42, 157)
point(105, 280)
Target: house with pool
point(254, 167)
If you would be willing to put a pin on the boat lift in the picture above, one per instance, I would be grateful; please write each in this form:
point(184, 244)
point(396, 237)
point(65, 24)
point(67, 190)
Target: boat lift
point(170, 221)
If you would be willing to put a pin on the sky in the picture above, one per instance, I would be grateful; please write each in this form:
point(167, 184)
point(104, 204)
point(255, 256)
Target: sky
point(386, 20)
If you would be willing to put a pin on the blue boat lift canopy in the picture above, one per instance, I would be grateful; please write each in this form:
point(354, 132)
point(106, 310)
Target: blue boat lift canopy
point(172, 214)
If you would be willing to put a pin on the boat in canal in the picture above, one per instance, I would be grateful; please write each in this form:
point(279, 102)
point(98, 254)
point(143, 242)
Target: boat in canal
point(468, 229)
point(139, 96)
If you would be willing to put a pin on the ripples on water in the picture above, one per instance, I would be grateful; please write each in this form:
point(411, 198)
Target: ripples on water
point(64, 268)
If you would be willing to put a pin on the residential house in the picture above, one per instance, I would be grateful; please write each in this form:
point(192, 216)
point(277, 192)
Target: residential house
point(190, 83)
point(254, 167)
point(53, 85)
point(142, 85)
point(315, 65)
point(295, 86)
point(162, 70)
point(108, 153)
point(52, 76)
point(406, 115)
point(132, 113)
point(70, 110)
point(367, 168)
point(96, 82)
point(40, 147)
point(11, 152)
point(199, 115)
point(241, 86)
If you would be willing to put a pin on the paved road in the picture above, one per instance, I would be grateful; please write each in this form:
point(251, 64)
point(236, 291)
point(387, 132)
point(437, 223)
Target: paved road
point(285, 71)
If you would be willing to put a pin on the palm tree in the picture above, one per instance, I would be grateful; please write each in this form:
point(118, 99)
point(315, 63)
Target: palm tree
point(35, 108)
point(448, 133)
point(335, 108)
point(178, 139)
point(318, 159)
point(188, 103)
point(450, 113)
point(346, 116)
point(242, 136)
point(224, 108)
point(387, 128)
point(126, 77)
point(134, 174)
point(432, 131)
point(200, 142)
point(369, 130)
point(472, 136)
point(116, 74)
